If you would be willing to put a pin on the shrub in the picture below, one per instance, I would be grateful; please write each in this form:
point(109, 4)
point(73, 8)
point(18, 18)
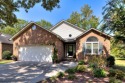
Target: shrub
point(60, 74)
point(112, 73)
point(55, 57)
point(71, 71)
point(99, 60)
point(53, 79)
point(80, 68)
point(98, 72)
point(114, 80)
point(71, 77)
point(14, 57)
point(118, 74)
point(110, 61)
point(93, 65)
point(7, 55)
point(81, 62)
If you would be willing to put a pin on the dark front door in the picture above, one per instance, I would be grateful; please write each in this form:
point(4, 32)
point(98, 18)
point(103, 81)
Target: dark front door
point(70, 50)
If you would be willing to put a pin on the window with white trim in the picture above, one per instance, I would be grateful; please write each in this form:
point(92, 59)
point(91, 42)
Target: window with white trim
point(92, 46)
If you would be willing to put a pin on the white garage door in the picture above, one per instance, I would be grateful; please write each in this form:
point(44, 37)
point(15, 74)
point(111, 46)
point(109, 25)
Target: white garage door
point(36, 53)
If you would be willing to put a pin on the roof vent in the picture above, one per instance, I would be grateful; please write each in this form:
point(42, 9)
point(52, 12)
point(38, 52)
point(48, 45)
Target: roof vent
point(34, 27)
point(70, 35)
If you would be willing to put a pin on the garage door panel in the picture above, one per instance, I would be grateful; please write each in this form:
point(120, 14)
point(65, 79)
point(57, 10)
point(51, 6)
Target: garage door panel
point(36, 53)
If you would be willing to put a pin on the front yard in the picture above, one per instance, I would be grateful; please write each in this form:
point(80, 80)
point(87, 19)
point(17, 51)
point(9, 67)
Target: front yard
point(5, 61)
point(90, 72)
point(120, 64)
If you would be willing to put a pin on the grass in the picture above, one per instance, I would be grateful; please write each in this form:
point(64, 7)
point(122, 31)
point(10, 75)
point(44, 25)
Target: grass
point(120, 64)
point(5, 61)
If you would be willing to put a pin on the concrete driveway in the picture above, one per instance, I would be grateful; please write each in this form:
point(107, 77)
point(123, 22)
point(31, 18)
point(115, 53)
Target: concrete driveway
point(31, 72)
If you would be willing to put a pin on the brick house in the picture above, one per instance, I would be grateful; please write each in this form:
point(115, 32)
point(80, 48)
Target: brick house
point(5, 44)
point(34, 43)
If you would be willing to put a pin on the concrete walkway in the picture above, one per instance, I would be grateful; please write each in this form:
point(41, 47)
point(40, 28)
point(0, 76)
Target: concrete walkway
point(31, 72)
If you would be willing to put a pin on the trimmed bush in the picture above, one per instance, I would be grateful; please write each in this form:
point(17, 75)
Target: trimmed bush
point(7, 55)
point(81, 62)
point(110, 61)
point(60, 74)
point(98, 72)
point(71, 70)
point(71, 77)
point(80, 68)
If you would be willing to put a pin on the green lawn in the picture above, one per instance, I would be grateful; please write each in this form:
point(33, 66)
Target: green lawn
point(5, 61)
point(120, 64)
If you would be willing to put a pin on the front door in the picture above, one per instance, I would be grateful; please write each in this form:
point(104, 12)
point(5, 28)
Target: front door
point(70, 50)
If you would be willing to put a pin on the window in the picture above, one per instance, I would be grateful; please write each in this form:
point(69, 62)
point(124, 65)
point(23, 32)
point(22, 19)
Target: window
point(92, 46)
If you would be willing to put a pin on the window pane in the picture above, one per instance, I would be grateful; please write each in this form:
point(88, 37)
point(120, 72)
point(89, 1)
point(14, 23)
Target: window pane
point(70, 49)
point(95, 51)
point(95, 48)
point(88, 47)
point(92, 39)
point(95, 45)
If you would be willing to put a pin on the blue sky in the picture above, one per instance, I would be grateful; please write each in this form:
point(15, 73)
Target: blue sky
point(66, 8)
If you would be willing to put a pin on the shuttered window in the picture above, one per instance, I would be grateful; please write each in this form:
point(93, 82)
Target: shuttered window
point(92, 46)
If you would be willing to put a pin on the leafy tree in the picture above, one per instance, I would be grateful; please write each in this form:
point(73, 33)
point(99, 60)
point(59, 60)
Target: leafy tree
point(114, 22)
point(114, 19)
point(85, 18)
point(20, 24)
point(117, 50)
point(8, 7)
point(75, 18)
point(45, 24)
point(9, 30)
point(16, 27)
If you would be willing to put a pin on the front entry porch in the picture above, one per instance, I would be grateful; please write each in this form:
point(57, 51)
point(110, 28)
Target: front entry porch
point(70, 50)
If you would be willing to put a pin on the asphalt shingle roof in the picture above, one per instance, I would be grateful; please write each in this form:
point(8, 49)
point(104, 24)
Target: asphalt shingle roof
point(4, 38)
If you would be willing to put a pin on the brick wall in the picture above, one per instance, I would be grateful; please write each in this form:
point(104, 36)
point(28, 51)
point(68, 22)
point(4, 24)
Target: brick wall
point(37, 37)
point(101, 38)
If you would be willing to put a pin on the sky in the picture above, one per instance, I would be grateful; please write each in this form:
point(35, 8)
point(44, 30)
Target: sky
point(66, 8)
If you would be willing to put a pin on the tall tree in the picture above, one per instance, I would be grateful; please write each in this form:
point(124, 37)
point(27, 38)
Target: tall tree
point(8, 7)
point(114, 19)
point(45, 24)
point(16, 27)
point(85, 19)
point(114, 22)
point(9, 30)
point(75, 18)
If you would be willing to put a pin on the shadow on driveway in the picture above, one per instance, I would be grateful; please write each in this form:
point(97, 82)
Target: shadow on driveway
point(31, 71)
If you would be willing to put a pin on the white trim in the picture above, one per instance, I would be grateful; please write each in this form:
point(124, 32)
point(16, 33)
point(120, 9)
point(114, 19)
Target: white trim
point(27, 26)
point(95, 30)
point(92, 43)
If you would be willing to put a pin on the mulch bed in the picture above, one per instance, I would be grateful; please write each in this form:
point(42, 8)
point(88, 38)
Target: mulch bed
point(84, 77)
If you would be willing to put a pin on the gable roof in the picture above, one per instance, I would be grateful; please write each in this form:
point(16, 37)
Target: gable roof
point(27, 26)
point(63, 21)
point(50, 31)
point(96, 31)
point(4, 38)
